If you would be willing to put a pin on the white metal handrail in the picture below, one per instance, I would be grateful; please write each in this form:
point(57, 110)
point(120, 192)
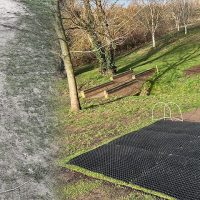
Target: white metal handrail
point(167, 106)
point(180, 111)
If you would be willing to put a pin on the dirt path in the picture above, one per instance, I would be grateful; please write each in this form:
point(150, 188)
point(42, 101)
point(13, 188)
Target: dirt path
point(193, 116)
point(193, 71)
point(26, 105)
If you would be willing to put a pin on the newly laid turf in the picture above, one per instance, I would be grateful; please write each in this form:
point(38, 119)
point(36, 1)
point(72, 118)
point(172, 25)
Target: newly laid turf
point(104, 120)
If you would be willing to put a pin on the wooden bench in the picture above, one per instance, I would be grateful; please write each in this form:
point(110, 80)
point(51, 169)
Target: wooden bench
point(98, 91)
point(125, 76)
point(124, 89)
point(122, 84)
point(143, 76)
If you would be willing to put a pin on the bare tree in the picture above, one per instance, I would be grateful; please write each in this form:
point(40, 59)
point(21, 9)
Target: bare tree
point(186, 10)
point(104, 26)
point(150, 16)
point(75, 103)
point(92, 30)
point(105, 31)
point(175, 9)
point(83, 15)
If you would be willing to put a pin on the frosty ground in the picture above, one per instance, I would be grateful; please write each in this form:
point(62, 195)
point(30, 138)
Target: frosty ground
point(27, 125)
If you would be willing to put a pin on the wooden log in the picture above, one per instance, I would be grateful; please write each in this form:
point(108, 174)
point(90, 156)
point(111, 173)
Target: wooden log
point(98, 91)
point(125, 76)
point(124, 89)
point(143, 76)
point(121, 84)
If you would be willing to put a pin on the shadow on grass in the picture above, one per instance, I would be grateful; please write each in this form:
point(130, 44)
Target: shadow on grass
point(87, 68)
point(166, 41)
point(169, 66)
point(143, 60)
point(163, 42)
point(172, 66)
point(104, 103)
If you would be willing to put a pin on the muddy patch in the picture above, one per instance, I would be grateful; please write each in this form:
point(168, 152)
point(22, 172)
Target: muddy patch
point(193, 71)
point(193, 116)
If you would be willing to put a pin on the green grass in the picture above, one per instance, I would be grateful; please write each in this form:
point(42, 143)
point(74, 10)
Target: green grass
point(103, 120)
point(81, 188)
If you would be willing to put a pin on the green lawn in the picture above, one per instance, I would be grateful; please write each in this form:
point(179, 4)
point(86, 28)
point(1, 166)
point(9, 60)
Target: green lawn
point(103, 120)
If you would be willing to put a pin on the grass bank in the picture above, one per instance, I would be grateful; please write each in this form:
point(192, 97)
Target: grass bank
point(103, 120)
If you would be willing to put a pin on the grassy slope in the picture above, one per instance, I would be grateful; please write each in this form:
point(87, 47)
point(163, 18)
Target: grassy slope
point(103, 120)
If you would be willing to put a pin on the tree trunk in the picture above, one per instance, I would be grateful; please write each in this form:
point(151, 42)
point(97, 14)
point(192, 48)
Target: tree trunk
point(93, 36)
point(178, 25)
point(99, 51)
point(109, 50)
point(75, 103)
point(186, 30)
point(153, 39)
point(178, 28)
point(110, 57)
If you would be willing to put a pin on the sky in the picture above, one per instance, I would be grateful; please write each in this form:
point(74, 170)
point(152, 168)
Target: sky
point(125, 2)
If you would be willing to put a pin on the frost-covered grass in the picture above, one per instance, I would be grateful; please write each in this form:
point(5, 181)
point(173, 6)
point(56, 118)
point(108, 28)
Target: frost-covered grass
point(27, 121)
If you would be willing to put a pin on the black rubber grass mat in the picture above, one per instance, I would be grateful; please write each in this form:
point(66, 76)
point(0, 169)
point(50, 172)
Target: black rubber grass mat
point(163, 157)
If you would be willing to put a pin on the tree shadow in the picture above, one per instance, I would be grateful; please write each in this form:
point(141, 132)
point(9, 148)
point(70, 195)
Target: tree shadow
point(84, 69)
point(169, 66)
point(109, 101)
point(172, 66)
point(163, 43)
